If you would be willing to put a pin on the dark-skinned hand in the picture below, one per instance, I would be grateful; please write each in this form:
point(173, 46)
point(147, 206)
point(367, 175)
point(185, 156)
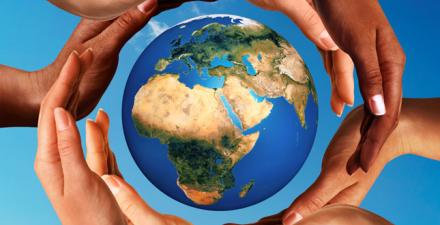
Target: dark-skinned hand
point(21, 92)
point(361, 29)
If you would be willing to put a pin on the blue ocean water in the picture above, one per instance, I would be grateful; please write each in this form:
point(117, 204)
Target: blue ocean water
point(278, 155)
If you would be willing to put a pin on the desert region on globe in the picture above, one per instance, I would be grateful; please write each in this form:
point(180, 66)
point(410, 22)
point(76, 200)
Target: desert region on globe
point(219, 90)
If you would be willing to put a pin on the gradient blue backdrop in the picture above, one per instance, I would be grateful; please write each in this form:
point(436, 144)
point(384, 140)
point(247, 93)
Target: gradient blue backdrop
point(33, 32)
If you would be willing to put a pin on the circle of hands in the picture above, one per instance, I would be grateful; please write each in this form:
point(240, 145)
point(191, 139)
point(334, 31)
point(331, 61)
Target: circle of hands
point(94, 187)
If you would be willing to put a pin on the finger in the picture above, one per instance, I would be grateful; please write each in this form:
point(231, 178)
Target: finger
point(131, 204)
point(314, 198)
point(354, 162)
point(172, 219)
point(88, 29)
point(129, 23)
point(327, 59)
point(337, 104)
point(103, 121)
point(370, 79)
point(96, 152)
point(47, 158)
point(392, 62)
point(306, 18)
point(69, 146)
point(343, 68)
point(114, 165)
point(352, 195)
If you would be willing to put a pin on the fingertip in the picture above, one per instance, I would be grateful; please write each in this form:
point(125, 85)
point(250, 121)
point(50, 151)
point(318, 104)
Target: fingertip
point(87, 57)
point(377, 105)
point(147, 6)
point(292, 218)
point(337, 104)
point(62, 122)
point(327, 41)
point(103, 121)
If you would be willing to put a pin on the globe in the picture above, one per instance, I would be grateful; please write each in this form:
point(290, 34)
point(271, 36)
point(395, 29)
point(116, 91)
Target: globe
point(220, 112)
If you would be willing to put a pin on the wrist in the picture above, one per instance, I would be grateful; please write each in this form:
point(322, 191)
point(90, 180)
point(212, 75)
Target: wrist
point(418, 132)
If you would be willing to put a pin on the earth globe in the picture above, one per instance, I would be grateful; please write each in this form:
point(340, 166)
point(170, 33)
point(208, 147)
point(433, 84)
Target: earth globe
point(220, 112)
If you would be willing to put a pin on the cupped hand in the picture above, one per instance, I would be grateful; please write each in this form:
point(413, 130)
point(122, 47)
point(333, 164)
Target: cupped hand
point(102, 161)
point(337, 63)
point(77, 194)
point(75, 187)
point(361, 29)
point(105, 39)
point(110, 9)
point(334, 185)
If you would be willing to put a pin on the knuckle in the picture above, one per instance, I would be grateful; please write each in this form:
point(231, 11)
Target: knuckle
point(373, 76)
point(64, 146)
point(311, 17)
point(315, 203)
point(125, 21)
point(129, 208)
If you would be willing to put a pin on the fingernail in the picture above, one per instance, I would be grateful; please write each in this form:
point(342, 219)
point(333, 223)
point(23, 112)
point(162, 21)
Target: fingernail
point(328, 41)
point(377, 105)
point(339, 115)
point(112, 184)
point(292, 218)
point(146, 6)
point(350, 105)
point(61, 119)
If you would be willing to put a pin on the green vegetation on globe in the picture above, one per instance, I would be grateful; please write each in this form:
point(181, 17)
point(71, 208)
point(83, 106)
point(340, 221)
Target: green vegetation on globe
point(204, 142)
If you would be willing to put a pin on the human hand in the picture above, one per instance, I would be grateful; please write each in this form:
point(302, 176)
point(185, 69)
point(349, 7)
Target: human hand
point(331, 215)
point(22, 92)
point(110, 9)
point(337, 63)
point(78, 194)
point(334, 185)
point(101, 160)
point(361, 29)
point(417, 133)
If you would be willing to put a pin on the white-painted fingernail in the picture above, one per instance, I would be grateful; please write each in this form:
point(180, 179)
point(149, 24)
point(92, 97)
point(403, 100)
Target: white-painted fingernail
point(377, 105)
point(292, 218)
point(112, 184)
point(327, 41)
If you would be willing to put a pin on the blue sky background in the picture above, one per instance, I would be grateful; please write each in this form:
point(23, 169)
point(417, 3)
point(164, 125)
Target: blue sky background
point(33, 32)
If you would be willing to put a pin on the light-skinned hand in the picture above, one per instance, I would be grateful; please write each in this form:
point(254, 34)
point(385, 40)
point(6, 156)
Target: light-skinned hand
point(337, 214)
point(418, 133)
point(102, 161)
point(78, 189)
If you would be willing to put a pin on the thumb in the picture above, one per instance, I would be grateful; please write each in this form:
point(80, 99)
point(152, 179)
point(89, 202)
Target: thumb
point(308, 20)
point(131, 204)
point(314, 198)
